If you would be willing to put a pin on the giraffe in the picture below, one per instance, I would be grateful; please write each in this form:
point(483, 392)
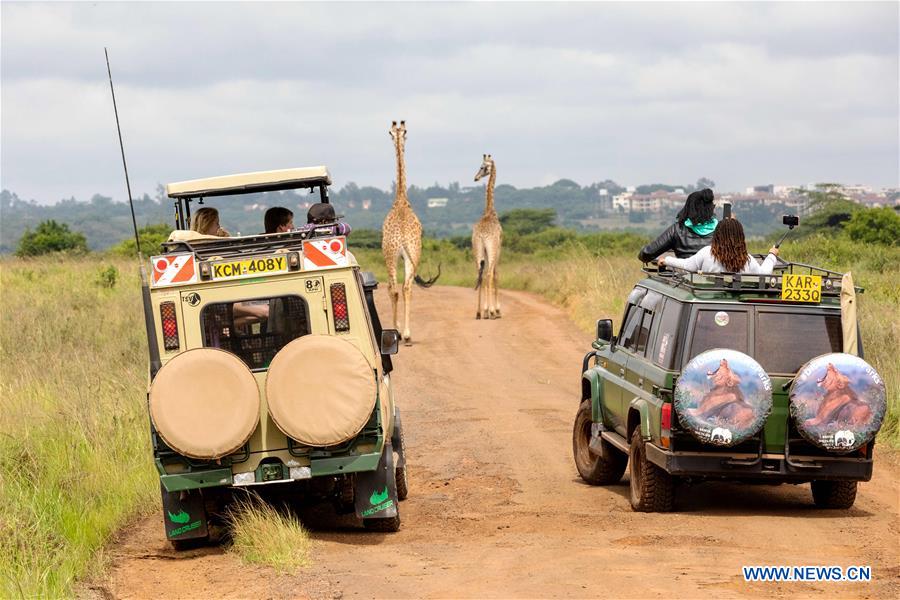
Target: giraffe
point(487, 237)
point(401, 236)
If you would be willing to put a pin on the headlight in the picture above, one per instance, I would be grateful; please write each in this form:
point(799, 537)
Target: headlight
point(301, 473)
point(244, 478)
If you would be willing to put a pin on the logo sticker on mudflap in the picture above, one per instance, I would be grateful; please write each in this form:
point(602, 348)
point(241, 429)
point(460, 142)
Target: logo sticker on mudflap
point(185, 516)
point(376, 491)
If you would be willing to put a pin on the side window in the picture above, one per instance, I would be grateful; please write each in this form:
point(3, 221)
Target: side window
point(631, 312)
point(719, 328)
point(631, 326)
point(254, 330)
point(650, 304)
point(667, 337)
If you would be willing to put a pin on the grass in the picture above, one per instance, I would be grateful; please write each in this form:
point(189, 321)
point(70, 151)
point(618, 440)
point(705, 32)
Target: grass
point(264, 535)
point(74, 441)
point(74, 444)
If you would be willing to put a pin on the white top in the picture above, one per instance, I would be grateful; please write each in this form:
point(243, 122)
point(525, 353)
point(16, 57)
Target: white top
point(704, 262)
point(237, 184)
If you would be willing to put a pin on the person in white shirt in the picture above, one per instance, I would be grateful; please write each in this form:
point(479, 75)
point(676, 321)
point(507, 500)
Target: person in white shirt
point(728, 254)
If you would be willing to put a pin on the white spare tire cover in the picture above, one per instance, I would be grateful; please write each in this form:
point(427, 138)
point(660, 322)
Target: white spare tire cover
point(321, 390)
point(838, 402)
point(723, 397)
point(205, 403)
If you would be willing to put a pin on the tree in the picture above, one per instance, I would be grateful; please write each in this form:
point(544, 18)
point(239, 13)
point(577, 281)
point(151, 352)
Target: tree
point(151, 236)
point(875, 226)
point(522, 221)
point(51, 236)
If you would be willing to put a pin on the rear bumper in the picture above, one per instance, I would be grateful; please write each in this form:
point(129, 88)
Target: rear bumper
point(769, 467)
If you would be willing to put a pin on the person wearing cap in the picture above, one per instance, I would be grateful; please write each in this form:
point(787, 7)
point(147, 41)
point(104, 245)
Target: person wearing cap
point(692, 230)
point(320, 216)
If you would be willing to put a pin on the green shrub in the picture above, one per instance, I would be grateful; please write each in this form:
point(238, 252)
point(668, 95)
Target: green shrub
point(107, 276)
point(51, 236)
point(151, 236)
point(875, 226)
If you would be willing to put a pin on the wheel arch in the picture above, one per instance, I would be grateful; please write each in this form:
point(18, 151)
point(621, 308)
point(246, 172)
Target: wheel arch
point(638, 416)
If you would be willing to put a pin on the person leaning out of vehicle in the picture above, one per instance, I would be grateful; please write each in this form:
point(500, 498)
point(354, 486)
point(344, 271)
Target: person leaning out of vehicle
point(691, 231)
point(727, 253)
point(206, 221)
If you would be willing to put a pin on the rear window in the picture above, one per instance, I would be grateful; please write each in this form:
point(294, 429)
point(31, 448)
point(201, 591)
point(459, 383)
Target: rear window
point(254, 330)
point(786, 341)
point(719, 328)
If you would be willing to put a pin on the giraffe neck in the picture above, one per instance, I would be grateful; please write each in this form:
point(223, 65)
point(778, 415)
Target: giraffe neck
point(489, 193)
point(401, 177)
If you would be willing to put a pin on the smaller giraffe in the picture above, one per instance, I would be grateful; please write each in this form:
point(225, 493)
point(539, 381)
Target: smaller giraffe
point(487, 237)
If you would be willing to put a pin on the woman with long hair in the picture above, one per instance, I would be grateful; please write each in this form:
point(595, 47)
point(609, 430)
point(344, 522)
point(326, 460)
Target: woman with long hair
point(206, 221)
point(727, 253)
point(691, 231)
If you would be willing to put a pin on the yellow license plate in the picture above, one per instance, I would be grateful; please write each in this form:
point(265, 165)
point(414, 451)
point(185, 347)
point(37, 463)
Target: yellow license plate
point(249, 267)
point(801, 288)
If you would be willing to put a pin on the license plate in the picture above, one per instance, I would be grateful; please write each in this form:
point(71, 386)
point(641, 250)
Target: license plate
point(801, 288)
point(249, 267)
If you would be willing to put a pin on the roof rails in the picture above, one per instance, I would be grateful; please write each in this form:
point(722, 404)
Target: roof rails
point(230, 247)
point(743, 283)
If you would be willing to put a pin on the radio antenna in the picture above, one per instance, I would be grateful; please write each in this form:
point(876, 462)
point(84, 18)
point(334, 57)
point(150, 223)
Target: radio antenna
point(152, 340)
point(137, 239)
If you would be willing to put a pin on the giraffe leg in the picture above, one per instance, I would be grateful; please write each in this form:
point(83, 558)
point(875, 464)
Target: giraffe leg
point(409, 277)
point(478, 253)
point(496, 291)
point(393, 292)
point(490, 279)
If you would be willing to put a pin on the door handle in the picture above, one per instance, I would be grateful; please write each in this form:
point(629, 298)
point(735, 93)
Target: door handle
point(641, 382)
point(622, 372)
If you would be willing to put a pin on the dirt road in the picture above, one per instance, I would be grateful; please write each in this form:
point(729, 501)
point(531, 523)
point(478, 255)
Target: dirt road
point(496, 509)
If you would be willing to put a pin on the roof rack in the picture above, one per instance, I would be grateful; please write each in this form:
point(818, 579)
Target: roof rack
point(230, 247)
point(742, 283)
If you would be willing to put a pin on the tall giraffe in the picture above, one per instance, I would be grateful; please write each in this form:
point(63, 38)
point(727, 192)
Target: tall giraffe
point(401, 235)
point(487, 237)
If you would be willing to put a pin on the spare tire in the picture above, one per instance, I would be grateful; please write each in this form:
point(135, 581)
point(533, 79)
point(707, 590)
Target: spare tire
point(204, 403)
point(723, 397)
point(838, 402)
point(321, 390)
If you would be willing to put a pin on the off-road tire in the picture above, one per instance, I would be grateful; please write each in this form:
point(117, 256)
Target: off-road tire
point(595, 470)
point(652, 489)
point(834, 494)
point(400, 472)
point(388, 525)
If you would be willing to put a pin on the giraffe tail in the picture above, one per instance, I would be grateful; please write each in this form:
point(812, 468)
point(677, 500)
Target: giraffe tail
point(480, 274)
point(430, 282)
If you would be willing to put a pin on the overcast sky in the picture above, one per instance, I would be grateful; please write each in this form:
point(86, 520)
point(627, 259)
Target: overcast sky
point(742, 93)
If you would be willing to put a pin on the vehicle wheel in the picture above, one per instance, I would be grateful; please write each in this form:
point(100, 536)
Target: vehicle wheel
point(834, 494)
point(594, 469)
point(652, 489)
point(389, 525)
point(400, 473)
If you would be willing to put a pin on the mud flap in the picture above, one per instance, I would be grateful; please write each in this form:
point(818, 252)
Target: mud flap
point(376, 491)
point(184, 515)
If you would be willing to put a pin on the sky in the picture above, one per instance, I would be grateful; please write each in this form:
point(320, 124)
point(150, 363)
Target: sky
point(742, 93)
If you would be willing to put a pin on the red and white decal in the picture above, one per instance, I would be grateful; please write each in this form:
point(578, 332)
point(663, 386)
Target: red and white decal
point(325, 252)
point(173, 269)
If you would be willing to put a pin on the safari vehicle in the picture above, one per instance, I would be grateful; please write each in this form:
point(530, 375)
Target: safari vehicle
point(269, 367)
point(729, 377)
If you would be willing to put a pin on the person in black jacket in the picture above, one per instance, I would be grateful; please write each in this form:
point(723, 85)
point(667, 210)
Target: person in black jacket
point(691, 231)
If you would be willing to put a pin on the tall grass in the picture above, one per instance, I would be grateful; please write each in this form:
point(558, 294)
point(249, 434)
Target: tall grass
point(74, 443)
point(263, 535)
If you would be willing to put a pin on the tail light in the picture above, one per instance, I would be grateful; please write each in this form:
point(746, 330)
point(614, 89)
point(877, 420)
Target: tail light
point(169, 325)
point(339, 313)
point(665, 424)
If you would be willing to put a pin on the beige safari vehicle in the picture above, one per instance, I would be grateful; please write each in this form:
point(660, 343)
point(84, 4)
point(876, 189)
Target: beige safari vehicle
point(268, 367)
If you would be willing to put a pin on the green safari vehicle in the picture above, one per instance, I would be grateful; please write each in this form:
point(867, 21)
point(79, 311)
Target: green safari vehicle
point(729, 377)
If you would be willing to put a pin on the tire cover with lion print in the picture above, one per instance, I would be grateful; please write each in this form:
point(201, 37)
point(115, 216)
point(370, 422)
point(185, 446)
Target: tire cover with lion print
point(838, 402)
point(723, 397)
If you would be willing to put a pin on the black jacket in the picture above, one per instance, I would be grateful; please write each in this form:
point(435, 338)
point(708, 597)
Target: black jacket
point(677, 238)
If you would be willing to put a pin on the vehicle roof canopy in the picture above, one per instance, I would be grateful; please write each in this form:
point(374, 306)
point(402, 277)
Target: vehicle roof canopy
point(245, 183)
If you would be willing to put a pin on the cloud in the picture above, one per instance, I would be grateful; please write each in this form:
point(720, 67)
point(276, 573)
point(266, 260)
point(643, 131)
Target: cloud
point(741, 93)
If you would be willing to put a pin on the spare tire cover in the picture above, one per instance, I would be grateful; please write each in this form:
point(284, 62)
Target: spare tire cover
point(321, 390)
point(723, 397)
point(205, 403)
point(838, 402)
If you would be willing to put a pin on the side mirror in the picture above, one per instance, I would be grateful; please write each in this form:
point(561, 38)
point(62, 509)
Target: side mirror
point(604, 330)
point(390, 341)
